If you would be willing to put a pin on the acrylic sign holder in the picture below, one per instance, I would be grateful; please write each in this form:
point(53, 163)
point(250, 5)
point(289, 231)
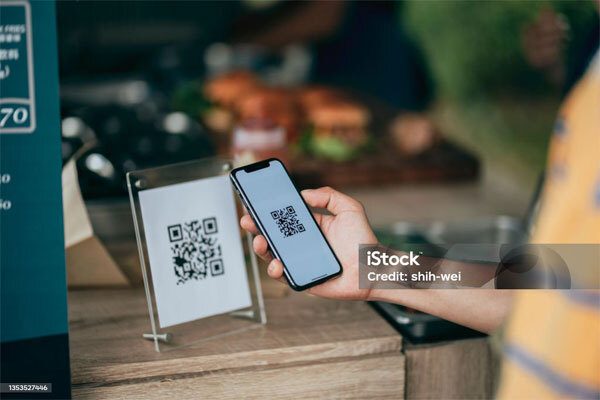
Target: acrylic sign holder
point(206, 328)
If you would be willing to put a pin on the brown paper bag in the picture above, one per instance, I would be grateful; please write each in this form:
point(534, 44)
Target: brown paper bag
point(88, 262)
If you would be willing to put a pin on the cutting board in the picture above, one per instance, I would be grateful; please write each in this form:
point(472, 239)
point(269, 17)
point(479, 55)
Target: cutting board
point(443, 163)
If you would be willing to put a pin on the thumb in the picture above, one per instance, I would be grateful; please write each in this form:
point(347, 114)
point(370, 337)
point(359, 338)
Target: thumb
point(335, 202)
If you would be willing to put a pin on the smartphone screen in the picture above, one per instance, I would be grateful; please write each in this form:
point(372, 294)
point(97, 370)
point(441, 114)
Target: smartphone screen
point(286, 222)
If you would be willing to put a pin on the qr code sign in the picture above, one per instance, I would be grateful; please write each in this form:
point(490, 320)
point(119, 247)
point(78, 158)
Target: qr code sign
point(287, 221)
point(195, 249)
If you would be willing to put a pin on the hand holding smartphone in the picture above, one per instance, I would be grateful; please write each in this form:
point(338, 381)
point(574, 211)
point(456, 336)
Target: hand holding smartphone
point(286, 222)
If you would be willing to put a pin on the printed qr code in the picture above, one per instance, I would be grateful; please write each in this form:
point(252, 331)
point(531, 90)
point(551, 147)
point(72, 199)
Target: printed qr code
point(287, 221)
point(195, 249)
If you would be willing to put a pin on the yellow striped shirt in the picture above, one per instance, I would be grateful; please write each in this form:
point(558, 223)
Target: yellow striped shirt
point(552, 347)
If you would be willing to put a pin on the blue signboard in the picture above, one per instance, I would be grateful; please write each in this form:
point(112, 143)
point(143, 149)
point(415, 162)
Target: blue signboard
point(33, 303)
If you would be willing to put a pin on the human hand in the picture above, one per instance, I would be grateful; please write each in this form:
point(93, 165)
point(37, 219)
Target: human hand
point(543, 43)
point(345, 230)
point(413, 133)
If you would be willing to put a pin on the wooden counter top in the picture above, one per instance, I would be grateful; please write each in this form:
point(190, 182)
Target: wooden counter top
point(310, 347)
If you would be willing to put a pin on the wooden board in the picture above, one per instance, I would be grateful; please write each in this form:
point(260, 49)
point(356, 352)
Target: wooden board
point(464, 369)
point(340, 346)
point(443, 163)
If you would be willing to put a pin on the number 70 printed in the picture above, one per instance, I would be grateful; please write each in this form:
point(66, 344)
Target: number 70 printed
point(13, 117)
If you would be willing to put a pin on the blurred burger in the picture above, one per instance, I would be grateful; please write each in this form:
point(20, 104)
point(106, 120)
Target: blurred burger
point(277, 105)
point(313, 97)
point(338, 129)
point(413, 134)
point(223, 92)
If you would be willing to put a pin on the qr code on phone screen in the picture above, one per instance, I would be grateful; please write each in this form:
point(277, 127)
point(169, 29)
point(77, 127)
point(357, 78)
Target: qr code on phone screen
point(195, 250)
point(287, 221)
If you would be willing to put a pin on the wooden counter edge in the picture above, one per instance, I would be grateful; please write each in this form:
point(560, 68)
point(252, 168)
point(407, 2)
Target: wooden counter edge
point(277, 357)
point(373, 377)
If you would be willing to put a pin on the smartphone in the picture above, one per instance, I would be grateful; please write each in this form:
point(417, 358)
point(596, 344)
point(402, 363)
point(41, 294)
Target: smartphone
point(284, 219)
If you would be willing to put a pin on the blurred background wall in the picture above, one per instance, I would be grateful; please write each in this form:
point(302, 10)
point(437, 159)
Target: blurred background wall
point(489, 75)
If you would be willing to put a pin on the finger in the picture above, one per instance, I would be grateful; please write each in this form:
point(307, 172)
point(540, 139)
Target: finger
point(330, 199)
point(275, 269)
point(323, 220)
point(261, 248)
point(248, 224)
point(318, 217)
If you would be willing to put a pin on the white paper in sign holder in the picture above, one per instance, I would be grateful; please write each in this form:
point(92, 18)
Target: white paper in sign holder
point(194, 248)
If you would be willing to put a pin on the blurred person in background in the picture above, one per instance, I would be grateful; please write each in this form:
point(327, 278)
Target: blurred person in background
point(361, 47)
point(357, 45)
point(544, 43)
